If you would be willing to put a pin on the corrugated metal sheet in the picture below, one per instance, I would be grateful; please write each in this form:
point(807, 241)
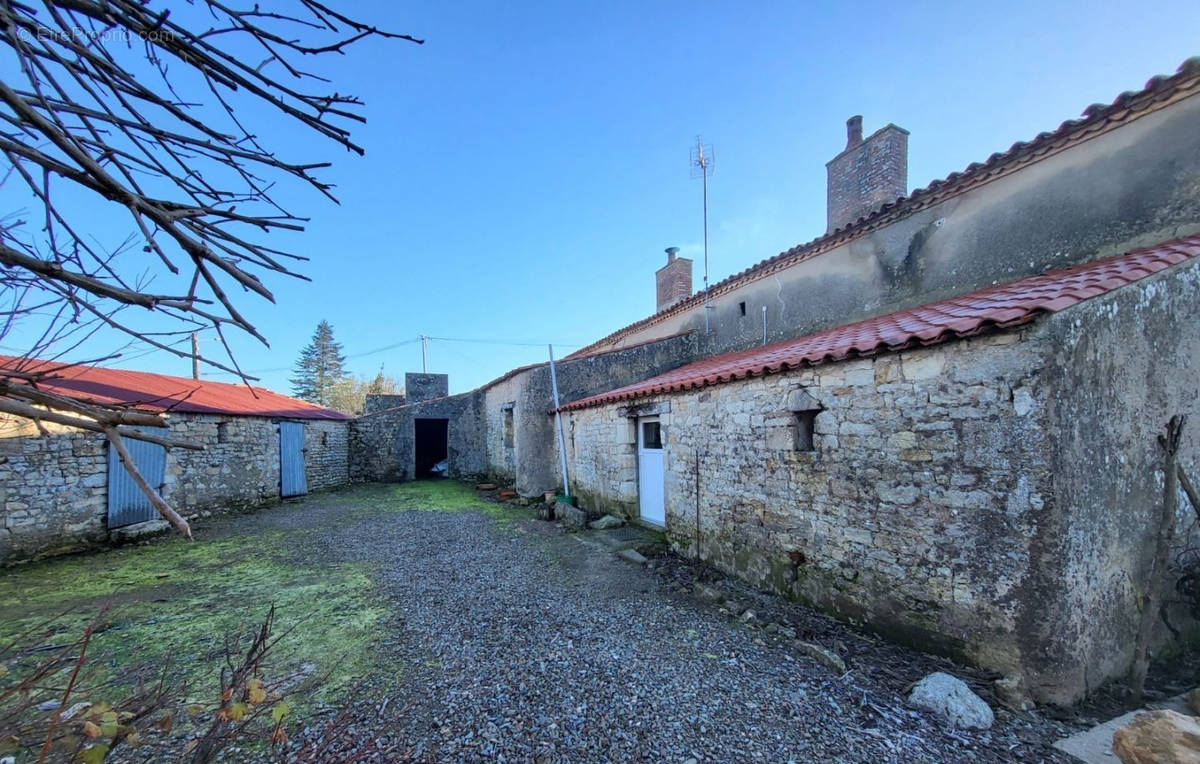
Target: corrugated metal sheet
point(126, 502)
point(292, 480)
point(995, 307)
point(162, 392)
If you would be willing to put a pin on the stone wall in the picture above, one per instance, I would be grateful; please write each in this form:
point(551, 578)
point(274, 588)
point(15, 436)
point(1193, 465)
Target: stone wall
point(499, 409)
point(534, 457)
point(1121, 365)
point(326, 453)
point(382, 443)
point(911, 514)
point(991, 499)
point(425, 387)
point(54, 488)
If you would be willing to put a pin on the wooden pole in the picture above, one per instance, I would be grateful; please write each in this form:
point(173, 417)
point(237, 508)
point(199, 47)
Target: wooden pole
point(1152, 595)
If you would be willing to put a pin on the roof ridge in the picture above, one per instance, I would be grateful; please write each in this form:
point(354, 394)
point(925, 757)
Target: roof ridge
point(929, 324)
point(1094, 120)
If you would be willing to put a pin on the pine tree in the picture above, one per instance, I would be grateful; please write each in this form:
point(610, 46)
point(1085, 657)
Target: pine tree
point(320, 368)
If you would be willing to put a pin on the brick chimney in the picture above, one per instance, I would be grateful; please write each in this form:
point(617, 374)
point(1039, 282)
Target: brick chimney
point(867, 174)
point(673, 281)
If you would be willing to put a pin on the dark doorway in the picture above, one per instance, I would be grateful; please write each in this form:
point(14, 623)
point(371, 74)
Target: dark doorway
point(430, 439)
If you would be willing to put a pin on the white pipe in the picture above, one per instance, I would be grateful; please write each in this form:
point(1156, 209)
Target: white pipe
point(764, 324)
point(562, 444)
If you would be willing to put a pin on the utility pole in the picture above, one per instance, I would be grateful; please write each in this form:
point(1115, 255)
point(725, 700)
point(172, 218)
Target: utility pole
point(702, 159)
point(562, 443)
point(195, 355)
point(424, 345)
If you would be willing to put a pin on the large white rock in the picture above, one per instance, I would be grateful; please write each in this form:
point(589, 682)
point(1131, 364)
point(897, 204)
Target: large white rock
point(951, 699)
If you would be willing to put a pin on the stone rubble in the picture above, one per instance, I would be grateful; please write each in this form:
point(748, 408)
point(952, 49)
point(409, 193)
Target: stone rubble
point(949, 698)
point(1159, 737)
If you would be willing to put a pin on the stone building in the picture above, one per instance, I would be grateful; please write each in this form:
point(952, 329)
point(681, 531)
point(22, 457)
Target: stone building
point(66, 489)
point(949, 435)
point(976, 476)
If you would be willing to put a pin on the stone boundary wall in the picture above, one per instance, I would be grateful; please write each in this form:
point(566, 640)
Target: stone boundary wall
point(54, 488)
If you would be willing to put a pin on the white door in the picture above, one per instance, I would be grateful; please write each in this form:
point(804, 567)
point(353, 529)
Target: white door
point(650, 471)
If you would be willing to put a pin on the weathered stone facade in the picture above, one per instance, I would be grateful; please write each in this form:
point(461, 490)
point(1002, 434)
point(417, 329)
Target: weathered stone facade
point(991, 498)
point(54, 488)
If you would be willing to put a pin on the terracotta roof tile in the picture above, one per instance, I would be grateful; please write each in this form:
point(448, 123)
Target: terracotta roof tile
point(987, 309)
point(161, 392)
point(1096, 119)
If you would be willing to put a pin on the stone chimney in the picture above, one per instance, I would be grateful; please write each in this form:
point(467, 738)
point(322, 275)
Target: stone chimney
point(673, 281)
point(867, 174)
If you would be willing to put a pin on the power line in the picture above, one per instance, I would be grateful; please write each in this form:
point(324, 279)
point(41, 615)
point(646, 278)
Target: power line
point(508, 342)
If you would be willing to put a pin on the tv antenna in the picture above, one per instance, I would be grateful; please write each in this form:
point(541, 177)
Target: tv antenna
point(702, 161)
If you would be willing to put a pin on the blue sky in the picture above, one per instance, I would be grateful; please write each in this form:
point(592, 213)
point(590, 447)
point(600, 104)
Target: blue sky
point(526, 167)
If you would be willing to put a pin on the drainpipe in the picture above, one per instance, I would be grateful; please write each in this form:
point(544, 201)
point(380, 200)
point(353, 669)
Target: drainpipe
point(764, 324)
point(562, 445)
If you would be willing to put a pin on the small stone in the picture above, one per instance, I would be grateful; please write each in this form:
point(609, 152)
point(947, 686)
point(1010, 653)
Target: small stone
point(706, 592)
point(606, 522)
point(787, 631)
point(632, 555)
point(747, 616)
point(47, 705)
point(1193, 700)
point(1010, 693)
point(823, 655)
point(1158, 737)
point(949, 698)
point(485, 487)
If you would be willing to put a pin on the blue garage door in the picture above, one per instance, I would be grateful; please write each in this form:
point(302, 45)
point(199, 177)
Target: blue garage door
point(126, 502)
point(292, 481)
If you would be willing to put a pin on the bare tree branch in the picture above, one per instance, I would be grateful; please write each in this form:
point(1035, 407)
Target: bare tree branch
point(141, 111)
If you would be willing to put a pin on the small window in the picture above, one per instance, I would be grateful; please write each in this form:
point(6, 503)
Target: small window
point(324, 439)
point(651, 435)
point(805, 427)
point(222, 432)
point(508, 428)
point(742, 308)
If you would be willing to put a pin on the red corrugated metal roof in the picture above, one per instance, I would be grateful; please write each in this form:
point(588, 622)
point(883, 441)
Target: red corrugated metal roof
point(161, 392)
point(1096, 119)
point(995, 307)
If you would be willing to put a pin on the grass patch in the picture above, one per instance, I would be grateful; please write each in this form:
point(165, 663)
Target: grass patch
point(183, 599)
point(429, 496)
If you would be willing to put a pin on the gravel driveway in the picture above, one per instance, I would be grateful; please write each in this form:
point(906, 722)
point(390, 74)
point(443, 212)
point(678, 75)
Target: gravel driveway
point(514, 640)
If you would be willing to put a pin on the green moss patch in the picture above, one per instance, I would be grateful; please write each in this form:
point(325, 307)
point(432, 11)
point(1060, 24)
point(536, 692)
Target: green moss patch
point(427, 496)
point(186, 599)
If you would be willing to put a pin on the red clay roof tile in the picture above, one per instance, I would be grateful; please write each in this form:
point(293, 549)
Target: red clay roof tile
point(987, 309)
point(161, 392)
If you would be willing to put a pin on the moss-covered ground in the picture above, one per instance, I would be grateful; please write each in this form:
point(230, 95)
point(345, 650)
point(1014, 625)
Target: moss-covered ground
point(186, 599)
